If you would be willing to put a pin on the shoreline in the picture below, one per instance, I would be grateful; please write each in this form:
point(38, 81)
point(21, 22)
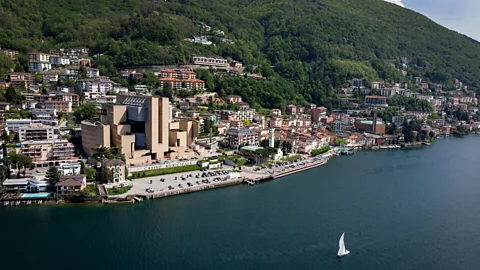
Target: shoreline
point(250, 178)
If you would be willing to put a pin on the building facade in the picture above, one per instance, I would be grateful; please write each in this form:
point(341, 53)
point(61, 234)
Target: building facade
point(237, 137)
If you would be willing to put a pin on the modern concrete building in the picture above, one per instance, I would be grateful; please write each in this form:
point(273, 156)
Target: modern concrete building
point(141, 127)
point(94, 134)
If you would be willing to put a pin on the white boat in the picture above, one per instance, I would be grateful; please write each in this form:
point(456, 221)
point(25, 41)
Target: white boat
point(341, 247)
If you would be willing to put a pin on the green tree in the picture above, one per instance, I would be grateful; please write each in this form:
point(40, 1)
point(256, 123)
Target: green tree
point(150, 78)
point(86, 111)
point(167, 91)
point(340, 142)
point(460, 130)
point(392, 129)
point(7, 138)
point(3, 173)
point(53, 176)
point(106, 175)
point(11, 94)
point(82, 72)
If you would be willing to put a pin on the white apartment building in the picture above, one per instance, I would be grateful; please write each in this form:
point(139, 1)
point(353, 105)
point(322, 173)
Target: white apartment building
point(92, 72)
point(57, 60)
point(209, 61)
point(36, 132)
point(37, 66)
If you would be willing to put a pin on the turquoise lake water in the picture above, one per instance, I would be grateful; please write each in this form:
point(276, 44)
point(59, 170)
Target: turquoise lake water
point(400, 209)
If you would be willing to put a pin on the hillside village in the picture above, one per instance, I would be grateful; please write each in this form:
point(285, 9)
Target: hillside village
point(65, 117)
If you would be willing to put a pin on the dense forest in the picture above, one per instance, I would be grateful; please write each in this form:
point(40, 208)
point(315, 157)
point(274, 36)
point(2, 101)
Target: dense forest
point(306, 48)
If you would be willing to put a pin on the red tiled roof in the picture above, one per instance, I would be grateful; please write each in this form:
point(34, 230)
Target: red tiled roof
point(68, 183)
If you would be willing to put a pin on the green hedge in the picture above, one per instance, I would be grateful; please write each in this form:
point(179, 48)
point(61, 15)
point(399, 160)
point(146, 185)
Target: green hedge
point(118, 190)
point(171, 170)
point(319, 151)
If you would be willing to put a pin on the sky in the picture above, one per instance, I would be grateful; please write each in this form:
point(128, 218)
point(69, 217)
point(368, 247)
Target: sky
point(458, 15)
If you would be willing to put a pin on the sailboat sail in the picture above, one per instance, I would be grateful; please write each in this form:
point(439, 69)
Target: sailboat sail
point(341, 247)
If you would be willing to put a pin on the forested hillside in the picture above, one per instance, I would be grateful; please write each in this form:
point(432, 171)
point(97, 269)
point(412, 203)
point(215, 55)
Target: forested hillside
point(305, 47)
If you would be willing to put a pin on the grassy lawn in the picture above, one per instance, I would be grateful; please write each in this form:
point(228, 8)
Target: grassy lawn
point(171, 170)
point(118, 190)
point(289, 158)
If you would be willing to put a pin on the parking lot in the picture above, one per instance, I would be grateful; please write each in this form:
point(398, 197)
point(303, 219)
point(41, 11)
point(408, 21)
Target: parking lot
point(162, 183)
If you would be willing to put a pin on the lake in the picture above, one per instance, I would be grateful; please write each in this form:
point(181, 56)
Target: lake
point(399, 209)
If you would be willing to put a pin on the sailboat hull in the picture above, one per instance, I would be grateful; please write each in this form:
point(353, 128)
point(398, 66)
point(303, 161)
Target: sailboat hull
point(344, 254)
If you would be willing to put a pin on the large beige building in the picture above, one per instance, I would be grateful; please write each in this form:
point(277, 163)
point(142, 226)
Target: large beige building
point(142, 128)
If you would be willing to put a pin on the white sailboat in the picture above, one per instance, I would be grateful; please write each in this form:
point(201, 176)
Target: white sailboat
point(341, 247)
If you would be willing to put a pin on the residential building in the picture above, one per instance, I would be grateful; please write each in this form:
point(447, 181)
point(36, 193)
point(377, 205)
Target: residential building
point(25, 185)
point(194, 84)
point(15, 124)
point(237, 137)
point(199, 39)
point(318, 113)
point(291, 109)
point(226, 115)
point(57, 60)
point(69, 168)
point(356, 83)
point(398, 120)
point(11, 54)
point(36, 132)
point(50, 76)
point(117, 167)
point(40, 57)
point(376, 101)
point(92, 72)
point(184, 105)
point(209, 61)
point(37, 66)
point(49, 152)
point(377, 85)
point(60, 106)
point(70, 184)
point(276, 112)
point(15, 76)
point(234, 99)
point(436, 102)
point(174, 82)
point(69, 97)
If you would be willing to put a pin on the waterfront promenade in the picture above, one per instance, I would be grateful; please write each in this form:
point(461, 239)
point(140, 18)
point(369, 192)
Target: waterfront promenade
point(180, 183)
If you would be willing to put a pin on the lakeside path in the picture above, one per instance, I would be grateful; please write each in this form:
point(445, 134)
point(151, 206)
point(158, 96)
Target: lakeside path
point(161, 188)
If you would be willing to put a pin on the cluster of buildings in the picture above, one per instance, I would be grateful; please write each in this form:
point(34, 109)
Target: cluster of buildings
point(40, 61)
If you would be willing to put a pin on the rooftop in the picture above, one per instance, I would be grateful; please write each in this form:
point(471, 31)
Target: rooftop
point(68, 183)
point(112, 162)
point(240, 131)
point(138, 101)
point(251, 148)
